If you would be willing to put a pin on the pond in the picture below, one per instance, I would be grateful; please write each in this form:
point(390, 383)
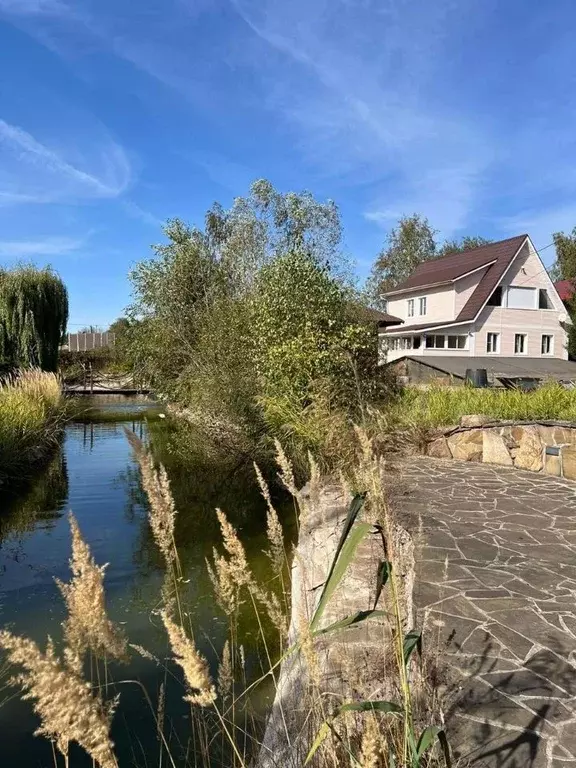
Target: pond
point(96, 476)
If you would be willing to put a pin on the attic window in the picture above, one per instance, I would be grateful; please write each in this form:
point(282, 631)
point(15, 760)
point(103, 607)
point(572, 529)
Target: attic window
point(544, 299)
point(496, 299)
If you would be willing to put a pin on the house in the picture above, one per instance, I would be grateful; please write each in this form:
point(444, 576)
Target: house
point(494, 302)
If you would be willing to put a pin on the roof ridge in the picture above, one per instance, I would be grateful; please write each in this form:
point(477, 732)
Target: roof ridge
point(477, 248)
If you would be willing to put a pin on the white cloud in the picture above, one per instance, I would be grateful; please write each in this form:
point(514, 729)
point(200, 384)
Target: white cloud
point(31, 171)
point(50, 246)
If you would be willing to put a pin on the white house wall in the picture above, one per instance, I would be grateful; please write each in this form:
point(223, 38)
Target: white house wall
point(440, 303)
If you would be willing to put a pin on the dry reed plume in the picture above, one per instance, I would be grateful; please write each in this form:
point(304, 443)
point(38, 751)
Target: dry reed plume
point(162, 514)
point(273, 526)
point(88, 626)
point(62, 699)
point(229, 576)
point(201, 689)
point(225, 672)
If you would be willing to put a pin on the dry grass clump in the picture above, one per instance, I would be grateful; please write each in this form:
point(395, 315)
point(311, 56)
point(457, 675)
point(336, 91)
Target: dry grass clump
point(31, 409)
point(88, 626)
point(63, 700)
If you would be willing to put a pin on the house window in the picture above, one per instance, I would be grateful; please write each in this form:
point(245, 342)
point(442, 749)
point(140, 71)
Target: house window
point(547, 344)
point(410, 307)
point(544, 299)
point(493, 343)
point(520, 344)
point(521, 298)
point(416, 342)
point(496, 299)
point(384, 303)
point(457, 342)
point(406, 342)
point(423, 305)
point(440, 341)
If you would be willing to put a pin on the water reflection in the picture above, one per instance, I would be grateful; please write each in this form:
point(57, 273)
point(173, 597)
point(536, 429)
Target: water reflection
point(95, 475)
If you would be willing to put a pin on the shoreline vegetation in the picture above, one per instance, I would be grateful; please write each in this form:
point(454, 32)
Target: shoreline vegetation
point(32, 415)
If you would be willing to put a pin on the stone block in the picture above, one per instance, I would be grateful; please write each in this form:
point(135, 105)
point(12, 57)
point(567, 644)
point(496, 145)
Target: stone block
point(569, 462)
point(547, 435)
point(466, 446)
point(531, 451)
point(517, 433)
point(474, 420)
point(439, 449)
point(509, 440)
point(553, 465)
point(494, 450)
point(564, 436)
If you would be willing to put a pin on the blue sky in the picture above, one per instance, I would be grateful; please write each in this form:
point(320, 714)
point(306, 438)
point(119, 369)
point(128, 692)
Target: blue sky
point(115, 115)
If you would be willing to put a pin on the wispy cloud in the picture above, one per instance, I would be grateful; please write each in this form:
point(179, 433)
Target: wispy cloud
point(137, 212)
point(31, 171)
point(367, 113)
point(49, 246)
point(29, 7)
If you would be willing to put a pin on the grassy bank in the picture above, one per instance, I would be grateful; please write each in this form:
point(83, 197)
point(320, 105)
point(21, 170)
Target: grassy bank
point(441, 406)
point(31, 413)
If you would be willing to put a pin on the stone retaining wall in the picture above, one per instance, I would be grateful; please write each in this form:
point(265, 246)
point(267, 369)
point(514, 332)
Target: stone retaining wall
point(543, 446)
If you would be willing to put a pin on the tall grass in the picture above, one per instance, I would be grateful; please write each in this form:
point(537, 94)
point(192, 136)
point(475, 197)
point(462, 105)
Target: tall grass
point(351, 728)
point(31, 410)
point(440, 406)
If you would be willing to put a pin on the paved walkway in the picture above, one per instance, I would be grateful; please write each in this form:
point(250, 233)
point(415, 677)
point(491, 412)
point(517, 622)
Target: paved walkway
point(496, 584)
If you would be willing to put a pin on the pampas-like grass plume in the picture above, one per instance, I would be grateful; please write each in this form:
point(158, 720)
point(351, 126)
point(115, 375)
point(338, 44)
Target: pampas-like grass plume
point(286, 473)
point(273, 525)
point(162, 513)
point(200, 687)
point(62, 699)
point(371, 743)
point(225, 672)
point(88, 626)
point(233, 574)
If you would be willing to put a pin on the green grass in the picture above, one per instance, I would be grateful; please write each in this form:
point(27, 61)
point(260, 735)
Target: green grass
point(442, 406)
point(31, 412)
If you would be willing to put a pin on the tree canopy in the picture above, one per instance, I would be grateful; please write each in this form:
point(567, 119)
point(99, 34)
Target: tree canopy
point(565, 266)
point(33, 317)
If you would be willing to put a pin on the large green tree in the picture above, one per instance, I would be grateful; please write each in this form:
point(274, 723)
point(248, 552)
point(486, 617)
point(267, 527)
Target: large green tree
point(202, 279)
point(565, 266)
point(33, 317)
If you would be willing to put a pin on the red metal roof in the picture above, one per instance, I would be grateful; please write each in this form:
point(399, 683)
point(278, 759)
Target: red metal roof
point(566, 289)
point(446, 269)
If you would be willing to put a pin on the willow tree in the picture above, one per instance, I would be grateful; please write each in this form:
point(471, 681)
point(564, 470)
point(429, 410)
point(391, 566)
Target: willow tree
point(33, 317)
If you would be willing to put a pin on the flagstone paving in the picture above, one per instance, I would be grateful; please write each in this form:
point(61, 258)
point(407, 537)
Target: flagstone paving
point(496, 588)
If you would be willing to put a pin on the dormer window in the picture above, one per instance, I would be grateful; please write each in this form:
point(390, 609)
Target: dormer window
point(422, 305)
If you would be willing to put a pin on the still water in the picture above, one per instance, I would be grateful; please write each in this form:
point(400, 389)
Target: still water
point(95, 475)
